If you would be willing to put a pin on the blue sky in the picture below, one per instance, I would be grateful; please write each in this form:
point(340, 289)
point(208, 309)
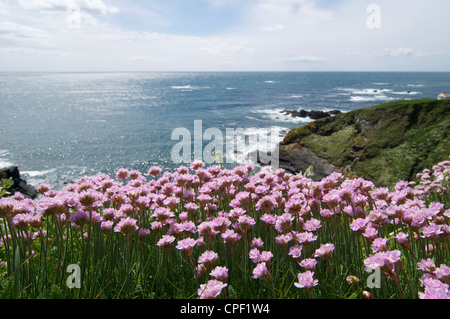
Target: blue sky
point(224, 35)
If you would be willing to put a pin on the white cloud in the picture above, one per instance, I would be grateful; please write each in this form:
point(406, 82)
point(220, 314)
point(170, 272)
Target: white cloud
point(305, 58)
point(403, 52)
point(270, 35)
point(91, 6)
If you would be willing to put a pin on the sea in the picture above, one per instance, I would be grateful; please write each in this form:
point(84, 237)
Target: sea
point(58, 127)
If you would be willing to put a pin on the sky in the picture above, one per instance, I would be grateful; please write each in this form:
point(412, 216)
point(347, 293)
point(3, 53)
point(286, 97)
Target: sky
point(224, 35)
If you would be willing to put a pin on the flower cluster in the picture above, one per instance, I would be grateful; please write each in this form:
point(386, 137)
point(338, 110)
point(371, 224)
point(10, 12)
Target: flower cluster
point(206, 214)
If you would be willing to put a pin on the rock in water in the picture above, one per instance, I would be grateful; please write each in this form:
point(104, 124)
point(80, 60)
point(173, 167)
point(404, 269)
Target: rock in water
point(17, 184)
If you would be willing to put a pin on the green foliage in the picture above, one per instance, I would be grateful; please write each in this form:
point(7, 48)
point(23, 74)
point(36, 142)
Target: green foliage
point(5, 184)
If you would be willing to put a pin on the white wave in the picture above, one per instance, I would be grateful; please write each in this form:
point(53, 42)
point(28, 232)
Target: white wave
point(415, 85)
point(229, 89)
point(269, 81)
point(370, 91)
point(296, 96)
point(4, 164)
point(406, 93)
point(38, 173)
point(181, 87)
point(370, 98)
point(380, 83)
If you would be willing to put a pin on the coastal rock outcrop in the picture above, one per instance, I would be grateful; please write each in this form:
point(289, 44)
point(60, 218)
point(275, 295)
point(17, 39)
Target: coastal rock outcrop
point(17, 183)
point(314, 114)
point(385, 143)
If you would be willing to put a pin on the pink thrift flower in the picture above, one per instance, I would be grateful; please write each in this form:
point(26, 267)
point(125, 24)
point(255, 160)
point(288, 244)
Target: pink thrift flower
point(379, 245)
point(80, 218)
point(186, 246)
point(266, 256)
point(283, 240)
point(267, 203)
point(256, 243)
point(143, 233)
point(295, 252)
point(261, 272)
point(211, 290)
point(106, 226)
point(166, 242)
point(443, 273)
point(220, 273)
point(245, 222)
point(312, 225)
point(230, 237)
point(306, 280)
point(325, 251)
point(427, 265)
point(255, 255)
point(402, 239)
point(126, 226)
point(308, 263)
point(209, 258)
point(284, 222)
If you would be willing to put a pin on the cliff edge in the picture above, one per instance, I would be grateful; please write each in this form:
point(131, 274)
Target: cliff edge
point(384, 143)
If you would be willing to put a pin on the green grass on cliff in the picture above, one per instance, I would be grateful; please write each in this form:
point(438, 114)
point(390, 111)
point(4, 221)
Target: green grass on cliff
point(384, 143)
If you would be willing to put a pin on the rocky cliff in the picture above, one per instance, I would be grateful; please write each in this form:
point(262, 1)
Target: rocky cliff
point(384, 143)
point(17, 183)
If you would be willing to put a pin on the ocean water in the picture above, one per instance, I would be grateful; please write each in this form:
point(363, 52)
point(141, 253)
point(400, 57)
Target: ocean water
point(58, 127)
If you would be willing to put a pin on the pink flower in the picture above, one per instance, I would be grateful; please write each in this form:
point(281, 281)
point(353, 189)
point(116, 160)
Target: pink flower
point(267, 203)
point(432, 231)
point(220, 273)
point(379, 245)
point(427, 265)
point(106, 226)
point(162, 213)
point(230, 237)
point(325, 251)
point(284, 222)
point(154, 171)
point(143, 233)
point(308, 263)
point(186, 246)
point(295, 252)
point(306, 280)
point(122, 173)
point(166, 241)
point(255, 255)
point(261, 272)
point(80, 218)
point(283, 240)
point(266, 256)
point(443, 273)
point(126, 226)
point(256, 243)
point(402, 239)
point(207, 229)
point(312, 225)
point(245, 222)
point(211, 290)
point(209, 258)
point(197, 164)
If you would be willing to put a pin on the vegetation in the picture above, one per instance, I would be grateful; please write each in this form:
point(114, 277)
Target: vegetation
point(217, 233)
point(384, 143)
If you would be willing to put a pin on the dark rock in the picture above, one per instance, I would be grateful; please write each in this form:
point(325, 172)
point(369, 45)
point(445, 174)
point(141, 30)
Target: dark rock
point(17, 184)
point(294, 159)
point(315, 115)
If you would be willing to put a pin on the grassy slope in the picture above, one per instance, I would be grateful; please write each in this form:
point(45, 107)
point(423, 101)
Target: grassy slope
point(384, 143)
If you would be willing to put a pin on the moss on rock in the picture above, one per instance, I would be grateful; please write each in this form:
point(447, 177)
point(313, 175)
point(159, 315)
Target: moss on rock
point(384, 143)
